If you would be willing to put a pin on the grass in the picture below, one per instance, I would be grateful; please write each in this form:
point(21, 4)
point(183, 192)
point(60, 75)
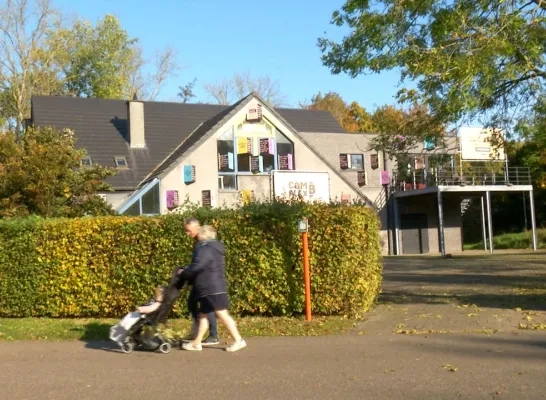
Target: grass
point(522, 240)
point(62, 329)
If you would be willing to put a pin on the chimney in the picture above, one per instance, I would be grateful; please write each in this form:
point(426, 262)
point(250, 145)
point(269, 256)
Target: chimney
point(135, 123)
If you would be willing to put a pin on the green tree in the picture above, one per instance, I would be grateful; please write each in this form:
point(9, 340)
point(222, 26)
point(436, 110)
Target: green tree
point(40, 174)
point(98, 60)
point(104, 61)
point(41, 55)
point(27, 56)
point(468, 58)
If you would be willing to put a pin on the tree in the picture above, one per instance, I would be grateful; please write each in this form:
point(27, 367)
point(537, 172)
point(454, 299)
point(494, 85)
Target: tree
point(357, 119)
point(26, 56)
point(469, 59)
point(331, 102)
point(40, 174)
point(104, 61)
point(186, 92)
point(147, 86)
point(228, 91)
point(98, 61)
point(353, 118)
point(39, 55)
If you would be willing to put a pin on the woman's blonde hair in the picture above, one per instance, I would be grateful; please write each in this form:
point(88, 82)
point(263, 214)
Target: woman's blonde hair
point(159, 292)
point(206, 232)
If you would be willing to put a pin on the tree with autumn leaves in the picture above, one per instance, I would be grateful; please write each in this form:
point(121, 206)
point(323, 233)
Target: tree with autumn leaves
point(467, 62)
point(387, 123)
point(41, 174)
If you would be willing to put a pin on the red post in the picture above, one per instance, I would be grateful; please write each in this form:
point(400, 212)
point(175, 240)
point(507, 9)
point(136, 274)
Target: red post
point(306, 276)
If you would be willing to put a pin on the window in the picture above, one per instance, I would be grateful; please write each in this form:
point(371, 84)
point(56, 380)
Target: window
point(256, 148)
point(121, 162)
point(357, 161)
point(226, 152)
point(351, 161)
point(86, 162)
point(143, 202)
point(133, 210)
point(150, 201)
point(285, 152)
point(227, 182)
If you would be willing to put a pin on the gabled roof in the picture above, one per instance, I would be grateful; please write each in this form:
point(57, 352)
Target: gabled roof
point(199, 133)
point(100, 126)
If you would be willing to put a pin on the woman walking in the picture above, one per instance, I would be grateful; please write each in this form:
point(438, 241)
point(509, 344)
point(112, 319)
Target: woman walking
point(207, 272)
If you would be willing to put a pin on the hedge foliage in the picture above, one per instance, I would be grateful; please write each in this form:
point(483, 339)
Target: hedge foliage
point(105, 266)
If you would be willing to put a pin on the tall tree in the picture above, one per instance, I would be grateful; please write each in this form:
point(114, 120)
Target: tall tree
point(468, 58)
point(352, 117)
point(41, 55)
point(104, 61)
point(357, 119)
point(26, 56)
point(330, 101)
point(228, 91)
point(40, 174)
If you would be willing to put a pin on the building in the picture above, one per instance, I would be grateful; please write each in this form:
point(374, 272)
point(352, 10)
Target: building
point(166, 152)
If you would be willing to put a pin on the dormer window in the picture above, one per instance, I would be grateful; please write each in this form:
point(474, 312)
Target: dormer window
point(121, 162)
point(86, 162)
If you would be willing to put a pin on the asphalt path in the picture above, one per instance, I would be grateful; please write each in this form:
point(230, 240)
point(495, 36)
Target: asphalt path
point(471, 366)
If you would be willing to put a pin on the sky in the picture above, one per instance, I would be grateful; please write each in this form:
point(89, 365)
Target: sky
point(215, 39)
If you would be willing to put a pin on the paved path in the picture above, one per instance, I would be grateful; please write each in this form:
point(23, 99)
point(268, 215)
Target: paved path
point(347, 367)
point(427, 358)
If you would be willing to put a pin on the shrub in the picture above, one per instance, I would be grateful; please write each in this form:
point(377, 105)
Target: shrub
point(105, 266)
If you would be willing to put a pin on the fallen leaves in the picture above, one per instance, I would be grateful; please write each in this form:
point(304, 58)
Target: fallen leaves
point(449, 367)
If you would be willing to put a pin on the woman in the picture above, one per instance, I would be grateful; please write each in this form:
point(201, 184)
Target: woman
point(207, 272)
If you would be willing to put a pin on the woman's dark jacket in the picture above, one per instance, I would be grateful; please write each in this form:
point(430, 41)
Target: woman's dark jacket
point(207, 270)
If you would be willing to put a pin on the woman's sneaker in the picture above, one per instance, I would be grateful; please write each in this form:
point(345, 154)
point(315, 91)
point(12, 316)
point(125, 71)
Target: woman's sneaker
point(210, 341)
point(191, 347)
point(236, 346)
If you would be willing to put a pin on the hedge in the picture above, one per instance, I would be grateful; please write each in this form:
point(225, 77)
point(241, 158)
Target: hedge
point(105, 266)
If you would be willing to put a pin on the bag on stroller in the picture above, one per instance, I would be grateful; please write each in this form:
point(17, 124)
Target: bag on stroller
point(141, 330)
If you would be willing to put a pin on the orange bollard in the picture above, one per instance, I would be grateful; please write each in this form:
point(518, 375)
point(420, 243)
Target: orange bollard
point(306, 276)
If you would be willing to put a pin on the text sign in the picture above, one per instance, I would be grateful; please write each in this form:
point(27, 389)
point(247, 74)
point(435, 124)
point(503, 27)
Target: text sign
point(310, 186)
point(481, 144)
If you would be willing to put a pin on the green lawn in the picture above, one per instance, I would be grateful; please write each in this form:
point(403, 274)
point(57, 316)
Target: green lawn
point(521, 240)
point(97, 329)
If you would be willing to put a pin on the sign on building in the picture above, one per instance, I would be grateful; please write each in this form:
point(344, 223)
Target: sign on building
point(479, 144)
point(311, 186)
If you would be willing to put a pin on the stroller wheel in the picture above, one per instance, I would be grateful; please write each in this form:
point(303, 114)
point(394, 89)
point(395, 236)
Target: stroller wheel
point(165, 348)
point(127, 348)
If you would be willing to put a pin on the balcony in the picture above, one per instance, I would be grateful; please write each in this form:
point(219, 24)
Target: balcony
point(471, 176)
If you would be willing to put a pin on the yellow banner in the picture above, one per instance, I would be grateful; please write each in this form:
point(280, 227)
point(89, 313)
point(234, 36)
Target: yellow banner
point(242, 145)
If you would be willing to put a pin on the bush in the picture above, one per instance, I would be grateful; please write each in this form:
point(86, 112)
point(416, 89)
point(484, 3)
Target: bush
point(521, 240)
point(105, 266)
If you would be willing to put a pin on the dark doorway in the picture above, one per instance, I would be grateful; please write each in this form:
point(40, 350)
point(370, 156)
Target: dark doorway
point(414, 233)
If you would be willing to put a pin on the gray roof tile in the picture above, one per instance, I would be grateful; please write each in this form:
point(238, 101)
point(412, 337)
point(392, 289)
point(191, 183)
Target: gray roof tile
point(100, 126)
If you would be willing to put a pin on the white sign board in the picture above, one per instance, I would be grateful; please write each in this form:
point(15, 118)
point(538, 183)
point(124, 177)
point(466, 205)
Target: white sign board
point(476, 145)
point(311, 186)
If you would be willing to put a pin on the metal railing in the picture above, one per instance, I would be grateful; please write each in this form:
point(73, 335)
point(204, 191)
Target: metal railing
point(470, 176)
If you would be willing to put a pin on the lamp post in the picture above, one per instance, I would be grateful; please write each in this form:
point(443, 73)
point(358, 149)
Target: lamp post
point(303, 228)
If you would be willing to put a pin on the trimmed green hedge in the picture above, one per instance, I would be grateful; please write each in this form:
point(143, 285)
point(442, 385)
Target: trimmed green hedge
point(104, 266)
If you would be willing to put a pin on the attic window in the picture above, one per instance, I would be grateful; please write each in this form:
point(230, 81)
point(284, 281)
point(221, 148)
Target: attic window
point(86, 162)
point(121, 162)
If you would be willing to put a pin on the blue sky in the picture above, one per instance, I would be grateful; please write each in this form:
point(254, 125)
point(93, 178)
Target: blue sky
point(216, 38)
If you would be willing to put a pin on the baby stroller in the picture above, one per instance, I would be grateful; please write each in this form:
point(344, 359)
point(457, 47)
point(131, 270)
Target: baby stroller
point(140, 331)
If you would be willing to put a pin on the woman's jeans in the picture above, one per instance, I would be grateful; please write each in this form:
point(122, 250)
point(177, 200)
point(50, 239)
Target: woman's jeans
point(192, 307)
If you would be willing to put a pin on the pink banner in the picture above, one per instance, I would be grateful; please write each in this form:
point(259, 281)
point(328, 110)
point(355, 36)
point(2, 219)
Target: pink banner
point(385, 180)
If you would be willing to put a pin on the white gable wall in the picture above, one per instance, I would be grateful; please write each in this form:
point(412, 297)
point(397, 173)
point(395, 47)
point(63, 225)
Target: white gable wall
point(205, 159)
